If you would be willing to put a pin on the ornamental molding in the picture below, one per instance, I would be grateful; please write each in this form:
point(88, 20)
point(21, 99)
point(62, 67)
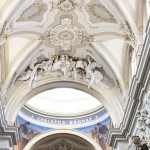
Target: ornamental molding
point(34, 12)
point(65, 35)
point(7, 132)
point(139, 85)
point(63, 66)
point(99, 13)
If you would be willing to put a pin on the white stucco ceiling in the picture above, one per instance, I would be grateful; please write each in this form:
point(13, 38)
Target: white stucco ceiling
point(26, 28)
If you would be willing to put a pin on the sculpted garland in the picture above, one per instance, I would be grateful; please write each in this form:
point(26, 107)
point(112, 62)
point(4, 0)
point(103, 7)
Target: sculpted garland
point(65, 66)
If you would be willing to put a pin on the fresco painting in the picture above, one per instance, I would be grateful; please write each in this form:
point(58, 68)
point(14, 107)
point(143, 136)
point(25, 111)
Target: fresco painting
point(28, 130)
point(98, 132)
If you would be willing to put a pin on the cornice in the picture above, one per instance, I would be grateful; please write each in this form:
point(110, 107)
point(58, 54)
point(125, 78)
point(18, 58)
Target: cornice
point(93, 111)
point(138, 87)
point(7, 132)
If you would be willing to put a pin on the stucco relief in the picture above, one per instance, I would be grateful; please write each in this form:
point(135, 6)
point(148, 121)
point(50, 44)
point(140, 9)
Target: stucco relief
point(64, 67)
point(129, 35)
point(34, 12)
point(6, 30)
point(68, 5)
point(65, 34)
point(99, 13)
point(143, 116)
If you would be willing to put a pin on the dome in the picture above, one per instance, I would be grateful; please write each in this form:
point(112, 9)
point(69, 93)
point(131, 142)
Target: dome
point(63, 101)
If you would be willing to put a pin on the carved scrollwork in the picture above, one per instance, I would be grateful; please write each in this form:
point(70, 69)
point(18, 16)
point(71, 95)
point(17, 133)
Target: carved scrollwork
point(65, 66)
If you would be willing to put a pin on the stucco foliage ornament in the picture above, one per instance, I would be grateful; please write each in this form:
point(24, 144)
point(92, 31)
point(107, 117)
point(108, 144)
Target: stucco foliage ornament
point(144, 121)
point(34, 12)
point(64, 67)
point(99, 13)
point(65, 35)
point(68, 5)
point(129, 35)
point(6, 30)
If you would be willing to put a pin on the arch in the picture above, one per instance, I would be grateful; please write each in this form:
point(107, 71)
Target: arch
point(128, 17)
point(23, 59)
point(106, 97)
point(55, 132)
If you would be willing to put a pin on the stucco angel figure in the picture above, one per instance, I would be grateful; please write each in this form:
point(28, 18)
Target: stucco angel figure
point(47, 65)
point(27, 74)
point(93, 76)
point(34, 75)
point(147, 103)
point(33, 62)
point(147, 121)
point(141, 124)
point(62, 64)
point(76, 74)
point(147, 132)
point(96, 77)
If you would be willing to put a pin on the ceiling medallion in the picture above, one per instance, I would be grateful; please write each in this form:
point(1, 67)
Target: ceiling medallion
point(65, 35)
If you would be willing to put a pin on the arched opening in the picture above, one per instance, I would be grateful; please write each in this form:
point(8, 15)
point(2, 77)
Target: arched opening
point(63, 101)
point(109, 101)
point(62, 139)
point(90, 116)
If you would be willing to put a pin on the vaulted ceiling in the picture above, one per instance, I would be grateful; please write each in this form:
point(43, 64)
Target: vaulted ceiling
point(106, 30)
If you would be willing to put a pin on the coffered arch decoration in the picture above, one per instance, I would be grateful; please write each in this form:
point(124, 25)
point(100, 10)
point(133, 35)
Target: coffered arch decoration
point(62, 140)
